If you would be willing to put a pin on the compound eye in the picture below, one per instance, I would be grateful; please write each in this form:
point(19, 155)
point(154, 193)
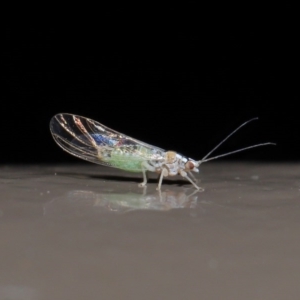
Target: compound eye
point(189, 165)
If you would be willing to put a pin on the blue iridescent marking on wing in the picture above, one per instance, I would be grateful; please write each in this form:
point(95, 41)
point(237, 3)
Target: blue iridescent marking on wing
point(103, 140)
point(100, 140)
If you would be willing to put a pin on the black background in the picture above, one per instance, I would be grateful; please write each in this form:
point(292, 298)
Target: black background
point(181, 81)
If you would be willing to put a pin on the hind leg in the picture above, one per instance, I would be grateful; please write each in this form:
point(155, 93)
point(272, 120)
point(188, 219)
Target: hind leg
point(146, 167)
point(144, 183)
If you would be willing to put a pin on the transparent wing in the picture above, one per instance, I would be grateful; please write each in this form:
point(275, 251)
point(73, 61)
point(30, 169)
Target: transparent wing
point(92, 141)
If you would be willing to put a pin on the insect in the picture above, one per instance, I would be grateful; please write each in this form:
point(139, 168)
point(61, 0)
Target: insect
point(94, 142)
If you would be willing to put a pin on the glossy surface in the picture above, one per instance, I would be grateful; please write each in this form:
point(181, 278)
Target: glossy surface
point(88, 232)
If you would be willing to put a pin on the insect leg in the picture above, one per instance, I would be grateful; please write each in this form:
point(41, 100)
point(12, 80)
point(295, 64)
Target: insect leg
point(164, 173)
point(143, 184)
point(185, 175)
point(193, 177)
point(146, 167)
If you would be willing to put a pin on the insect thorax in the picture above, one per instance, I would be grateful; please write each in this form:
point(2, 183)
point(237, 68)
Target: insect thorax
point(173, 162)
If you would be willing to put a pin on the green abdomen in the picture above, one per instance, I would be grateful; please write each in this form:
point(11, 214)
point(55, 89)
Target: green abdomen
point(129, 161)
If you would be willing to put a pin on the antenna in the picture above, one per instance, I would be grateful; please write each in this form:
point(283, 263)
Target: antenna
point(239, 150)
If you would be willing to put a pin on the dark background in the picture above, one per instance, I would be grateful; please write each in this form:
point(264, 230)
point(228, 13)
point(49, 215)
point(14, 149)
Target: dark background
point(178, 81)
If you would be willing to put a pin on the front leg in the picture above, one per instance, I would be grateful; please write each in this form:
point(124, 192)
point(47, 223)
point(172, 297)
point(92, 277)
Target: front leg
point(193, 177)
point(185, 175)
